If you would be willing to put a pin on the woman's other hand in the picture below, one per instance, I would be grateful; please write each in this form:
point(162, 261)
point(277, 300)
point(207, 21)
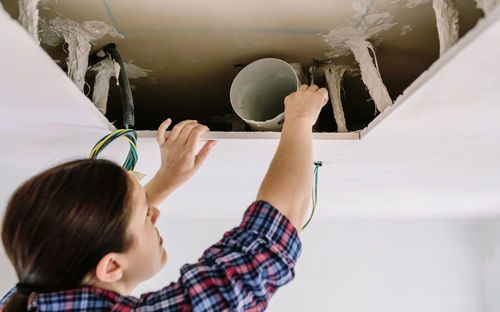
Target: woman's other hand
point(179, 160)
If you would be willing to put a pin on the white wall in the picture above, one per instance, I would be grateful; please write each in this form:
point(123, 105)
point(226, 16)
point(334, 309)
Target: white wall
point(353, 265)
point(398, 265)
point(360, 265)
point(487, 241)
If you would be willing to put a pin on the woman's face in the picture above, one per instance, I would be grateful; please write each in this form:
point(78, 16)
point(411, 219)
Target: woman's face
point(147, 255)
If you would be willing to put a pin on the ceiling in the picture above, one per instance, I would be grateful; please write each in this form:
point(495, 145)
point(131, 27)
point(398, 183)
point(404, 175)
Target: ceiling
point(192, 48)
point(434, 153)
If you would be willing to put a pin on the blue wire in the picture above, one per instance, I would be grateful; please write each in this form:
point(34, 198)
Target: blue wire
point(132, 156)
point(314, 195)
point(366, 12)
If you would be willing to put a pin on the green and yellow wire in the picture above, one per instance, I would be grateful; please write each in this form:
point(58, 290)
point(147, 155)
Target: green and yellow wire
point(128, 134)
point(129, 164)
point(315, 192)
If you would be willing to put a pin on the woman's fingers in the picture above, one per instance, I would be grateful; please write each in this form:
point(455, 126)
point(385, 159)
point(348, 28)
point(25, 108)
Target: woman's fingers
point(194, 137)
point(303, 87)
point(203, 153)
point(178, 128)
point(160, 134)
point(183, 136)
point(324, 93)
point(313, 88)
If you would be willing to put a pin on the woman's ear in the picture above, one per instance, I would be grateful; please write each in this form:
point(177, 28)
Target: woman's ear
point(109, 269)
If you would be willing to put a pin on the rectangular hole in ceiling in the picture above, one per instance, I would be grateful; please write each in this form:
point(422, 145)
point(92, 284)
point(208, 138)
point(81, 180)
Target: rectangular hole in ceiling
point(190, 53)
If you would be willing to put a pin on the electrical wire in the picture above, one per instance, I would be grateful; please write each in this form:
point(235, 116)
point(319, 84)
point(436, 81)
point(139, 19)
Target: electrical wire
point(314, 193)
point(365, 13)
point(128, 134)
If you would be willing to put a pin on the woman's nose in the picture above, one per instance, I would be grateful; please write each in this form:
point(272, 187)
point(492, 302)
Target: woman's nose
point(155, 214)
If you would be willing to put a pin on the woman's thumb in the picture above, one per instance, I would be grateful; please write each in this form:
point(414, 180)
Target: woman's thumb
point(204, 151)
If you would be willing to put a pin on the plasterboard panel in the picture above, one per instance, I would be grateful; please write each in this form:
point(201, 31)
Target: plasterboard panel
point(45, 118)
point(38, 77)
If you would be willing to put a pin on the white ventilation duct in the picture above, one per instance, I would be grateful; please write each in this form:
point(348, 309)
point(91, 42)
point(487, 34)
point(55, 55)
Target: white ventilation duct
point(257, 93)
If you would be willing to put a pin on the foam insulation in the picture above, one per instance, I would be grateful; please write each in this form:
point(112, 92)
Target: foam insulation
point(447, 23)
point(333, 75)
point(410, 4)
point(312, 70)
point(414, 3)
point(28, 17)
point(354, 39)
point(78, 38)
point(47, 35)
point(106, 69)
point(135, 72)
point(487, 5)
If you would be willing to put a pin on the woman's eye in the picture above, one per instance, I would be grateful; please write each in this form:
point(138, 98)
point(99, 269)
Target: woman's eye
point(149, 212)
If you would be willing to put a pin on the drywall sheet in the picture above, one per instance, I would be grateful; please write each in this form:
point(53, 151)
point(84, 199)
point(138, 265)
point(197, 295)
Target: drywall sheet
point(45, 118)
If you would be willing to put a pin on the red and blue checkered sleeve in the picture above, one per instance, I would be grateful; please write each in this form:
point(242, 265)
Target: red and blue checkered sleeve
point(240, 272)
point(243, 270)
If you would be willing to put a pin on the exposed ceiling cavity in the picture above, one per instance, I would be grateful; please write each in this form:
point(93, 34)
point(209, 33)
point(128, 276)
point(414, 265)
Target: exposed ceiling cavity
point(182, 57)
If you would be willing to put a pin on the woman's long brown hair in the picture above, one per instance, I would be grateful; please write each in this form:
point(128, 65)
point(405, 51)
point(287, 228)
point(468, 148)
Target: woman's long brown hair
point(61, 222)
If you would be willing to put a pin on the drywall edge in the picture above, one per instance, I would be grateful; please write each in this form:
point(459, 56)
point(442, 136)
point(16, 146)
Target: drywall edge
point(221, 135)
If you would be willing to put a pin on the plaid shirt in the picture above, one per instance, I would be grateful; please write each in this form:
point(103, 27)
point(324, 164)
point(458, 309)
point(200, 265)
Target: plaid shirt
point(239, 273)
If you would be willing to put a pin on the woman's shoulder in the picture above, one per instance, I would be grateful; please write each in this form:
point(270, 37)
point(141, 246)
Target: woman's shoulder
point(77, 299)
point(95, 298)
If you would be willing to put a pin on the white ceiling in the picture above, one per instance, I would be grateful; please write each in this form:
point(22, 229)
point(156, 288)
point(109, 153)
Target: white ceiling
point(436, 154)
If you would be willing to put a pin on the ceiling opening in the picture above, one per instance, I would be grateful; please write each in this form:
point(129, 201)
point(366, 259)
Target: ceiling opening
point(190, 53)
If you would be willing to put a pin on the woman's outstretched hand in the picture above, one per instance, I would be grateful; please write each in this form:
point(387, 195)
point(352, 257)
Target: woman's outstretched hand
point(179, 160)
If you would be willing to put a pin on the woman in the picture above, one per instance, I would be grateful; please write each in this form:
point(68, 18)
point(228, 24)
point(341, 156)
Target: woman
point(80, 233)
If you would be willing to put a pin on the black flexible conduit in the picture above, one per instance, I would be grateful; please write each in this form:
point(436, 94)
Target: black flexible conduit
point(126, 92)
